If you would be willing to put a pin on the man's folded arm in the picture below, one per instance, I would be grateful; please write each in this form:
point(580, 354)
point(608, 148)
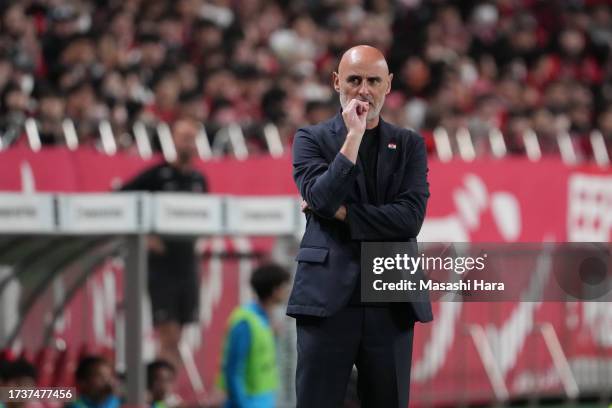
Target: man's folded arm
point(323, 185)
point(399, 220)
point(403, 217)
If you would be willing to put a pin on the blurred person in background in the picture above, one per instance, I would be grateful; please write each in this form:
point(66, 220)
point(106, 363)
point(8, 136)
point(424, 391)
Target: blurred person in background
point(62, 25)
point(173, 278)
point(96, 384)
point(85, 109)
point(193, 105)
point(50, 113)
point(165, 107)
point(15, 107)
point(249, 372)
point(21, 373)
point(546, 128)
point(152, 56)
point(318, 111)
point(485, 118)
point(161, 376)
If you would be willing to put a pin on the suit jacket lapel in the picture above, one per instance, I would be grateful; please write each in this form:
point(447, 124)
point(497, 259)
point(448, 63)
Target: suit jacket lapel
point(387, 154)
point(339, 137)
point(340, 131)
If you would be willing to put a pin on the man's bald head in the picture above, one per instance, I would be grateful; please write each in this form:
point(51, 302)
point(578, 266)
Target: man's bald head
point(363, 74)
point(362, 55)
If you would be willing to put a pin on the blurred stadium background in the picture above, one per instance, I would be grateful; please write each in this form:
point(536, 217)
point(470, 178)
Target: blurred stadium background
point(513, 98)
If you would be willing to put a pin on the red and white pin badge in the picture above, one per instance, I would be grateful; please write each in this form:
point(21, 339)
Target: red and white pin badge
point(392, 146)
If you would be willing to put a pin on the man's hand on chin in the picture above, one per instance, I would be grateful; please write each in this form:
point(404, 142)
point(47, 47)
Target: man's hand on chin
point(340, 214)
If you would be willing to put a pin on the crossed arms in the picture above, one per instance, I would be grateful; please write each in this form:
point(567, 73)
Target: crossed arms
point(325, 188)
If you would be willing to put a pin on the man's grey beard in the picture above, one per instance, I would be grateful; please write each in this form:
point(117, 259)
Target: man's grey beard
point(373, 112)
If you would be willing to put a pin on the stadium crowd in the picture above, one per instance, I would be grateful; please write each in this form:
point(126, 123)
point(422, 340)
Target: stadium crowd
point(509, 64)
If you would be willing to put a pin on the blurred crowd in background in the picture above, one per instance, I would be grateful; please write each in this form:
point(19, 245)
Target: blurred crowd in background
point(507, 64)
point(93, 380)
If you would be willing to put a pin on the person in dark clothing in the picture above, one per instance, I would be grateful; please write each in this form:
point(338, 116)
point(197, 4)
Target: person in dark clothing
point(362, 179)
point(173, 278)
point(160, 380)
point(17, 374)
point(96, 383)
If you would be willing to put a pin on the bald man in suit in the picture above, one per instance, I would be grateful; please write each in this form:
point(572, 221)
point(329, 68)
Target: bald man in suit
point(361, 179)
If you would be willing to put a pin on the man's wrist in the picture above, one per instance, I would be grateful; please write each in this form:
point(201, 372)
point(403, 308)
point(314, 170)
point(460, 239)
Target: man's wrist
point(350, 148)
point(353, 134)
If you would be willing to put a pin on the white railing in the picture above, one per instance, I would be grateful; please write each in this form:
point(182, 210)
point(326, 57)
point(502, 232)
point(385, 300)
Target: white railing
point(107, 138)
point(31, 129)
point(443, 144)
point(231, 139)
point(598, 145)
point(497, 142)
point(465, 144)
point(143, 143)
point(166, 142)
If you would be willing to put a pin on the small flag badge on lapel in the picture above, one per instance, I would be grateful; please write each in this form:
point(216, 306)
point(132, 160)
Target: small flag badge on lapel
point(392, 145)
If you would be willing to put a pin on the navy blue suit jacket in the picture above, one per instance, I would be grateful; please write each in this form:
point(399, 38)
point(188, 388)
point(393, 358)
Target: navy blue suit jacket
point(329, 255)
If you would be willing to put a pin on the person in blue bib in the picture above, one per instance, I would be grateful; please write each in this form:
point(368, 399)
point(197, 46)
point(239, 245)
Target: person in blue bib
point(249, 372)
point(96, 382)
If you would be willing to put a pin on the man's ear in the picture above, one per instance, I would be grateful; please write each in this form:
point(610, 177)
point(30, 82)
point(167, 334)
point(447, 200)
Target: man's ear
point(389, 84)
point(336, 81)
